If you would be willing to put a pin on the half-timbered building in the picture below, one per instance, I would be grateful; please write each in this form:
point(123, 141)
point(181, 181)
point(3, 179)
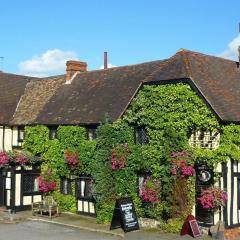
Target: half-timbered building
point(85, 98)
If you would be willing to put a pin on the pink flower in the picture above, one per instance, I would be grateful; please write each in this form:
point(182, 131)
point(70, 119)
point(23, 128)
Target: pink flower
point(150, 191)
point(173, 154)
point(119, 156)
point(4, 159)
point(213, 198)
point(45, 185)
point(72, 160)
point(21, 159)
point(188, 171)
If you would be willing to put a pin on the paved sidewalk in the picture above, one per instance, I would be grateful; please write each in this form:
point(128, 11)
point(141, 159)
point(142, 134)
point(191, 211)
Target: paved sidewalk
point(89, 224)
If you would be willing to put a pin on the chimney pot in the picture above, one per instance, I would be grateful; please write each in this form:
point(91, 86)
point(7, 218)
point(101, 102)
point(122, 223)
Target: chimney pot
point(74, 67)
point(105, 60)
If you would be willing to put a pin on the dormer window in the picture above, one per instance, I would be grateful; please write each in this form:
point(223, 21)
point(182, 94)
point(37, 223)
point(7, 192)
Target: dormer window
point(141, 135)
point(92, 133)
point(20, 133)
point(205, 139)
point(52, 132)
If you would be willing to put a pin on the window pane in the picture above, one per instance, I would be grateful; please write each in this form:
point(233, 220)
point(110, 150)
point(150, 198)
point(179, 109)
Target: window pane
point(30, 183)
point(141, 135)
point(92, 133)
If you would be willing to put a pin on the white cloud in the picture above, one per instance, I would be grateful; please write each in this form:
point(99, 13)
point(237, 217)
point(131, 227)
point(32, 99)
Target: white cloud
point(109, 66)
point(231, 52)
point(51, 62)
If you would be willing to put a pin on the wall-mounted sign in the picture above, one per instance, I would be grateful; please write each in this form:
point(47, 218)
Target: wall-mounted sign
point(204, 175)
point(124, 215)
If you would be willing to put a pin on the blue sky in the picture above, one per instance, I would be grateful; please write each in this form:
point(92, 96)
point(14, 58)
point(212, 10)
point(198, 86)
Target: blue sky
point(37, 37)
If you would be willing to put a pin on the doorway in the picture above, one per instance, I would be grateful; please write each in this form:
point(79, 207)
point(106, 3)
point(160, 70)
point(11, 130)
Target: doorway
point(204, 180)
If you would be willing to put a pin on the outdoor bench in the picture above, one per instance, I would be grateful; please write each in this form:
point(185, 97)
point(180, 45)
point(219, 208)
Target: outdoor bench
point(47, 207)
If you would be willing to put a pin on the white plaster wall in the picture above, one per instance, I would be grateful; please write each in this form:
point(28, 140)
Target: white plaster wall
point(18, 189)
point(8, 197)
point(1, 138)
point(80, 205)
point(15, 136)
point(27, 200)
point(8, 139)
point(85, 206)
point(37, 198)
point(229, 189)
point(235, 207)
point(91, 208)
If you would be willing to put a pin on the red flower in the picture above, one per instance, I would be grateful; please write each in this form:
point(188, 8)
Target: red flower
point(72, 159)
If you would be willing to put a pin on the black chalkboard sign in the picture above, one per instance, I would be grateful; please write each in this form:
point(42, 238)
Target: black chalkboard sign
point(124, 215)
point(194, 228)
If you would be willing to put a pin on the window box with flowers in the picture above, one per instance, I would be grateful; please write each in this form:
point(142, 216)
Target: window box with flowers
point(17, 158)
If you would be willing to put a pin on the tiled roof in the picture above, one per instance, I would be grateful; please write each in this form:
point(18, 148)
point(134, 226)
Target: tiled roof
point(95, 94)
point(217, 79)
point(12, 88)
point(37, 94)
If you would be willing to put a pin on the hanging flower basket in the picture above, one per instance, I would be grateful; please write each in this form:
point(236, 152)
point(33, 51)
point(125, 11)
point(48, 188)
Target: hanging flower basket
point(150, 190)
point(47, 183)
point(213, 198)
point(180, 165)
point(4, 159)
point(72, 160)
point(119, 156)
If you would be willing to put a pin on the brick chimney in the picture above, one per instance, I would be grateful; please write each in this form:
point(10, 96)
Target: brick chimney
point(74, 67)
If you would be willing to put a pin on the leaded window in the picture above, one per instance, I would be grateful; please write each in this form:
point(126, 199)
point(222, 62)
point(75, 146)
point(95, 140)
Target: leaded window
point(30, 183)
point(66, 186)
point(205, 139)
point(141, 135)
point(92, 133)
point(52, 132)
point(84, 188)
point(20, 133)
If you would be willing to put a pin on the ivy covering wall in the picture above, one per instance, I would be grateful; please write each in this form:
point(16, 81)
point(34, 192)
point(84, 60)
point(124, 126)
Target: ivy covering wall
point(70, 138)
point(169, 113)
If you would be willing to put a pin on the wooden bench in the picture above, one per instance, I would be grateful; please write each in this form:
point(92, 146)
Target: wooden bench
point(47, 207)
